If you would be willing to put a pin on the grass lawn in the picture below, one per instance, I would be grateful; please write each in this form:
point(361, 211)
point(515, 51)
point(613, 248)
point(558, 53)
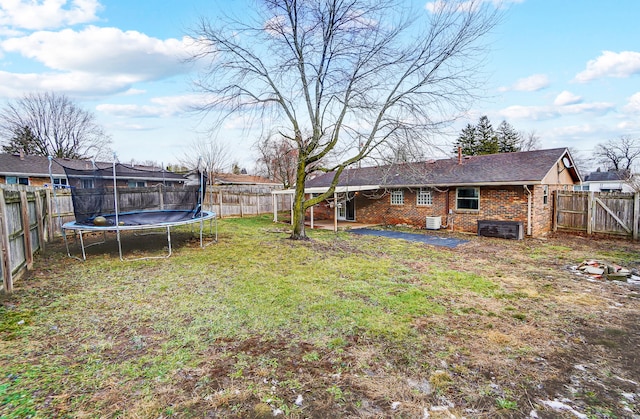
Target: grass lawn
point(337, 326)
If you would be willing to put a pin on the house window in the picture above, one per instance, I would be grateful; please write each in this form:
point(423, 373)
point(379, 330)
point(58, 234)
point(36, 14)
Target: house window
point(545, 194)
point(397, 197)
point(15, 180)
point(59, 183)
point(468, 198)
point(87, 183)
point(581, 187)
point(137, 183)
point(424, 197)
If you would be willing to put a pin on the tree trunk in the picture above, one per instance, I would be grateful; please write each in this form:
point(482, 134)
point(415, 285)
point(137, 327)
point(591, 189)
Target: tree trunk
point(298, 204)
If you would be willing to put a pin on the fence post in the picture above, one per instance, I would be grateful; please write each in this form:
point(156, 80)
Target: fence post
point(50, 206)
point(40, 219)
point(556, 213)
point(636, 214)
point(590, 203)
point(7, 277)
point(220, 201)
point(26, 229)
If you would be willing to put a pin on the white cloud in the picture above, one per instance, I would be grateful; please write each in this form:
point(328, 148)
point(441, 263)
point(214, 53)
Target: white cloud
point(567, 98)
point(535, 113)
point(161, 107)
point(600, 108)
point(73, 83)
point(106, 51)
point(528, 84)
point(611, 64)
point(633, 105)
point(46, 14)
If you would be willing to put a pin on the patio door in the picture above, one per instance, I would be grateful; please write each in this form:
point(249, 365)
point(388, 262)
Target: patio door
point(347, 208)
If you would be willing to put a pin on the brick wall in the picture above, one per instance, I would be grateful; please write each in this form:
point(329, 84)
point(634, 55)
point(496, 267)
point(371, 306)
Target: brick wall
point(504, 203)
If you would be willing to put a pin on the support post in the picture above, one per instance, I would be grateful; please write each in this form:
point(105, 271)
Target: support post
point(636, 214)
point(312, 217)
point(274, 203)
point(335, 212)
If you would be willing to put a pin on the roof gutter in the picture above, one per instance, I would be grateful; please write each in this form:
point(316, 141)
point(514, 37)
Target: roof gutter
point(529, 209)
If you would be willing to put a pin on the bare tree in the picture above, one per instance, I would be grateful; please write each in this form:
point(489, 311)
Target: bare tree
point(620, 154)
point(208, 154)
point(50, 124)
point(529, 140)
point(278, 160)
point(345, 80)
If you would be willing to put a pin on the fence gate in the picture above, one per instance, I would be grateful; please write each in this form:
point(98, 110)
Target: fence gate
point(598, 212)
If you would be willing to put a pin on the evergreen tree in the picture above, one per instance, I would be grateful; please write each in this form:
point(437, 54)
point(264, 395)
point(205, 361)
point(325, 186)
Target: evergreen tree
point(483, 139)
point(467, 141)
point(23, 140)
point(486, 137)
point(508, 138)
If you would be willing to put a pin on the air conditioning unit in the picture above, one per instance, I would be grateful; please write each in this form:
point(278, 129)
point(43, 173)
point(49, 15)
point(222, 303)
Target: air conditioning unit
point(434, 223)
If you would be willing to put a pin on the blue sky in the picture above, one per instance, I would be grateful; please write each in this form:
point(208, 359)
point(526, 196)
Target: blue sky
point(568, 70)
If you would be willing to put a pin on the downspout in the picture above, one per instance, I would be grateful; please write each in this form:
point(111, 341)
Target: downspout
point(529, 209)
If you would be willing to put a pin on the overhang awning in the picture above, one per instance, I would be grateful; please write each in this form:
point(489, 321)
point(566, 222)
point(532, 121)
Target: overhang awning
point(323, 189)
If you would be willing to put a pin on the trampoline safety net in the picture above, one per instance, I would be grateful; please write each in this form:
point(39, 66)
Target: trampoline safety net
point(92, 192)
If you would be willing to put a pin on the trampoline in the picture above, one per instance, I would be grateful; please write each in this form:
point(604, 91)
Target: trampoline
point(103, 202)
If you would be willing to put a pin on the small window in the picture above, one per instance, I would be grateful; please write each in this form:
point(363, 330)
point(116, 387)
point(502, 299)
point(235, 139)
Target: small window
point(545, 194)
point(137, 184)
point(87, 183)
point(397, 197)
point(468, 198)
point(424, 197)
point(59, 183)
point(14, 180)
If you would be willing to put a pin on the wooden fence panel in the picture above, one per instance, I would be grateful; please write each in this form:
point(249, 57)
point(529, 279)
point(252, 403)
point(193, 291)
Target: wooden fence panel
point(571, 210)
point(613, 214)
point(23, 212)
point(598, 212)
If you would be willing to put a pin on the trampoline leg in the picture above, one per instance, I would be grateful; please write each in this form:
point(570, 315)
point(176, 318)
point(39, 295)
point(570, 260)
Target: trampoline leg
point(84, 255)
point(201, 227)
point(66, 243)
point(169, 240)
point(119, 245)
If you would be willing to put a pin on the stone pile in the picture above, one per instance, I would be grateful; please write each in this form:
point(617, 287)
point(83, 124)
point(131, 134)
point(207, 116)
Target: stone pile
point(598, 269)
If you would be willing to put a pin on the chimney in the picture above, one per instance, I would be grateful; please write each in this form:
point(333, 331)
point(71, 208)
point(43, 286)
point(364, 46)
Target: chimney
point(459, 155)
point(21, 154)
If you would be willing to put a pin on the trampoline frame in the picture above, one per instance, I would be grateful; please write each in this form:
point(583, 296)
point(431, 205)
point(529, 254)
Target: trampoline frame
point(81, 229)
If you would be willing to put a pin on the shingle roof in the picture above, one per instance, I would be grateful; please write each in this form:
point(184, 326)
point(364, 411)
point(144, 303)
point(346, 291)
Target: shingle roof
point(504, 168)
point(38, 166)
point(605, 176)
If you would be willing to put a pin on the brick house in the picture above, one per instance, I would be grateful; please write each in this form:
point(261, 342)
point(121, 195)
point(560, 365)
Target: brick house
point(34, 171)
point(460, 191)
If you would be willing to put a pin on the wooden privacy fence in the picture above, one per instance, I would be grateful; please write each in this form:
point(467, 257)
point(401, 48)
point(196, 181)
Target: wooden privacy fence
point(598, 212)
point(240, 201)
point(23, 221)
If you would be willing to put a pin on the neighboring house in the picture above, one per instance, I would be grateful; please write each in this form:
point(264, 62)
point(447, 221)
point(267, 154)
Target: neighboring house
point(34, 171)
point(609, 181)
point(461, 191)
point(225, 179)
